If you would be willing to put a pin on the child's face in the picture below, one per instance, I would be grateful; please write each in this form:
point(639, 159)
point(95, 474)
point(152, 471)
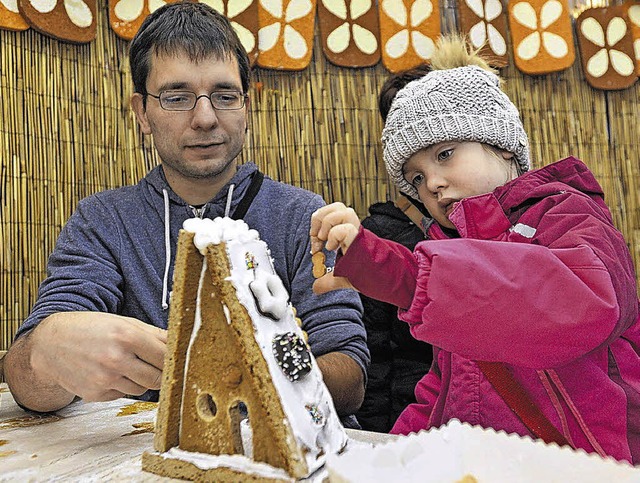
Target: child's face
point(450, 171)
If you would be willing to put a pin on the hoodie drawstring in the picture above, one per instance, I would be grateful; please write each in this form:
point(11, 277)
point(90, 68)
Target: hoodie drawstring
point(167, 251)
point(167, 240)
point(227, 208)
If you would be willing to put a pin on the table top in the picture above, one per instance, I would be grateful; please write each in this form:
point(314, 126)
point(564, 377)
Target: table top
point(85, 441)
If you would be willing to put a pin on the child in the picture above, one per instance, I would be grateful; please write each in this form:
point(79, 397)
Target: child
point(525, 288)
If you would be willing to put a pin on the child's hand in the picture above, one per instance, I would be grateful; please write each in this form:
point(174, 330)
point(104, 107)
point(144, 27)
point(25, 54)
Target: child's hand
point(333, 226)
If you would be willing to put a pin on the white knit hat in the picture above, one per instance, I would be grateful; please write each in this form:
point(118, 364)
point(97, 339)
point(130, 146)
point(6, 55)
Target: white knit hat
point(460, 104)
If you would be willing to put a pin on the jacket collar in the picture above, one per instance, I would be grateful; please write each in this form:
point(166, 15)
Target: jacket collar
point(487, 216)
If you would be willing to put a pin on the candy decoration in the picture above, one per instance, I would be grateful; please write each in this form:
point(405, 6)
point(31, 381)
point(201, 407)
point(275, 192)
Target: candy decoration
point(542, 35)
point(270, 295)
point(315, 412)
point(251, 261)
point(606, 48)
point(292, 355)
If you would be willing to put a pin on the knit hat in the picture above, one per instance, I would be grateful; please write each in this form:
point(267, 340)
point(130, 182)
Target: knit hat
point(460, 104)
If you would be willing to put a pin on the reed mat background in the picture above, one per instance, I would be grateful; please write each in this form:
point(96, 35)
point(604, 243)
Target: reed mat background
point(66, 131)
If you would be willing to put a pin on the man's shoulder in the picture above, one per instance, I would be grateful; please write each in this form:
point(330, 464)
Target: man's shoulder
point(113, 197)
point(286, 195)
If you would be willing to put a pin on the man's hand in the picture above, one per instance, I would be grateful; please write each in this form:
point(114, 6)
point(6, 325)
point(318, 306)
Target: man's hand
point(93, 355)
point(330, 282)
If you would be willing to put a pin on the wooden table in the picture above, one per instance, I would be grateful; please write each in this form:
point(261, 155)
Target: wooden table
point(85, 441)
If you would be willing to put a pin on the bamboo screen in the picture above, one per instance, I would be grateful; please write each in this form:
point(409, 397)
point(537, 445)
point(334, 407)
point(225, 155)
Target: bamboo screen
point(66, 131)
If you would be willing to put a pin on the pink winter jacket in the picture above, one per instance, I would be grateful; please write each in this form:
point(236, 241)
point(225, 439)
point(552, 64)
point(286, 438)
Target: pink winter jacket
point(540, 280)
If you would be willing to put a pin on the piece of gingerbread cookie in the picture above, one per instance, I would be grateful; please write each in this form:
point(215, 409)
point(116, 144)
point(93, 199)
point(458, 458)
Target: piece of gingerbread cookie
point(319, 268)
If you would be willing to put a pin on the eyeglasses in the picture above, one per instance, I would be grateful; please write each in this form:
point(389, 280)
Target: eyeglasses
point(186, 101)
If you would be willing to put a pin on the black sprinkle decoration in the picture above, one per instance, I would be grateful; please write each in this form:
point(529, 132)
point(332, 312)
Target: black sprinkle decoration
point(292, 355)
point(316, 415)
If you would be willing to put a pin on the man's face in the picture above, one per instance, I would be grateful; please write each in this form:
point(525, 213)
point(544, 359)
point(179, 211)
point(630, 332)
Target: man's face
point(201, 143)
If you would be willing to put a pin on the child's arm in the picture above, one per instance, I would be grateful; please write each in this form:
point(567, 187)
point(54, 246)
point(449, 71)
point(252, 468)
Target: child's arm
point(381, 269)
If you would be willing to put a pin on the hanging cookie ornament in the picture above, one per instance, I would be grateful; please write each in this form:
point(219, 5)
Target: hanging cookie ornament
point(606, 48)
point(126, 16)
point(632, 9)
point(67, 20)
point(10, 18)
point(243, 16)
point(542, 35)
point(285, 35)
point(408, 32)
point(485, 24)
point(349, 31)
point(292, 355)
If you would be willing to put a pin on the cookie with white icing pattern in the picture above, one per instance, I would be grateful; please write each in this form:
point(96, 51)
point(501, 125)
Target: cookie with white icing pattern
point(66, 20)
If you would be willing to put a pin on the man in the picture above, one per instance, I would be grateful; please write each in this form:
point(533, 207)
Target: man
point(98, 328)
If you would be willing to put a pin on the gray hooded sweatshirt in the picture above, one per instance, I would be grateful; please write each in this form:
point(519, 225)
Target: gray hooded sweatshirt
point(117, 251)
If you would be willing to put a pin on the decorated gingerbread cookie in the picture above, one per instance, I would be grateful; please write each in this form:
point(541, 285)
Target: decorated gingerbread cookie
point(126, 16)
point(542, 35)
point(67, 20)
point(349, 30)
point(285, 38)
point(408, 32)
point(10, 18)
point(606, 48)
point(485, 25)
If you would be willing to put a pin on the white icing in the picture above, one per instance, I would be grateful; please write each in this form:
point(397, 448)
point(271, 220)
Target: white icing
point(79, 13)
point(128, 10)
point(235, 462)
point(317, 439)
point(43, 6)
point(236, 7)
point(11, 5)
point(270, 294)
point(155, 5)
point(218, 230)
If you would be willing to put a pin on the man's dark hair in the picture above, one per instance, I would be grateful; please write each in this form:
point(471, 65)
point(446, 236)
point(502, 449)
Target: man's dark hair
point(185, 27)
point(396, 82)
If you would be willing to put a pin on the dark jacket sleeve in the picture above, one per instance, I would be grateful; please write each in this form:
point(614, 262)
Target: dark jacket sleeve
point(398, 361)
point(82, 274)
